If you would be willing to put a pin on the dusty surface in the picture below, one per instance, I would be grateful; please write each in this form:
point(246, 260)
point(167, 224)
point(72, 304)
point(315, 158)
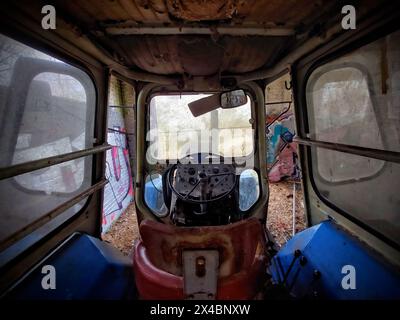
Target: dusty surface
point(279, 222)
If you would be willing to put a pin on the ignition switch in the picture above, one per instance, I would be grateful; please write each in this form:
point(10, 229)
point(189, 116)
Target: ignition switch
point(200, 267)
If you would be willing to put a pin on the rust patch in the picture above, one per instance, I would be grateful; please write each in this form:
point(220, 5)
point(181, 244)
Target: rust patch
point(239, 244)
point(198, 10)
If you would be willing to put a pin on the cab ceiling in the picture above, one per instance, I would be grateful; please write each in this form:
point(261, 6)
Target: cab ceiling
point(193, 37)
point(289, 13)
point(130, 27)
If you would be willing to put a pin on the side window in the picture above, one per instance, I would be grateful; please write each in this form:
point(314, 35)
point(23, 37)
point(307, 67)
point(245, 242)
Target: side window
point(118, 192)
point(354, 101)
point(47, 109)
point(280, 128)
point(342, 112)
point(53, 123)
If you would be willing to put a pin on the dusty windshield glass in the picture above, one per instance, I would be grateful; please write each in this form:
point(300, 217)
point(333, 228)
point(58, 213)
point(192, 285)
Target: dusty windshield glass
point(174, 132)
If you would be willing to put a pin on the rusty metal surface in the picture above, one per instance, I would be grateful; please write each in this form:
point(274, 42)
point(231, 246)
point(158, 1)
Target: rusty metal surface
point(92, 12)
point(127, 34)
point(266, 12)
point(239, 244)
point(158, 261)
point(198, 55)
point(156, 284)
point(195, 55)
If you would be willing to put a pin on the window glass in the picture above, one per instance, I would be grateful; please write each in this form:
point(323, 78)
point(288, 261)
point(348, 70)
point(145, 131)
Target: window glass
point(47, 109)
point(343, 108)
point(175, 132)
point(249, 189)
point(153, 195)
point(27, 197)
point(342, 112)
point(47, 106)
point(354, 100)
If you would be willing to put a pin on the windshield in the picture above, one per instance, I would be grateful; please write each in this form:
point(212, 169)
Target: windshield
point(174, 132)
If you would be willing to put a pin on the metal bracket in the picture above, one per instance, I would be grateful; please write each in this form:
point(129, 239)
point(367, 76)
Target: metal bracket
point(200, 274)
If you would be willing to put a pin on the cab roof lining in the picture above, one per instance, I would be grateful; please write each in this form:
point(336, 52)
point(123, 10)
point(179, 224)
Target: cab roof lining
point(198, 55)
point(176, 37)
point(195, 54)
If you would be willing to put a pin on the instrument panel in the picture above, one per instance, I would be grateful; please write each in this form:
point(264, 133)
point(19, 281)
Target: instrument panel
point(204, 181)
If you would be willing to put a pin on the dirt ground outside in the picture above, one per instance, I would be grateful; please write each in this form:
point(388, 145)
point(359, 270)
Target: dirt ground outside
point(124, 231)
point(280, 211)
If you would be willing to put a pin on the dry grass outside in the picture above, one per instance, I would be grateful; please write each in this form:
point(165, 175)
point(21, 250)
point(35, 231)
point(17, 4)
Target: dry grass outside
point(125, 230)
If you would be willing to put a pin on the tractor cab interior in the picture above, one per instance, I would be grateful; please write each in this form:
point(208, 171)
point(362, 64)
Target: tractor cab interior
point(197, 73)
point(206, 193)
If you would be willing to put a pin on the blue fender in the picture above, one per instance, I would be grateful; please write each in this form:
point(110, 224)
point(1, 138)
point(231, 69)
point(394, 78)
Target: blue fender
point(315, 263)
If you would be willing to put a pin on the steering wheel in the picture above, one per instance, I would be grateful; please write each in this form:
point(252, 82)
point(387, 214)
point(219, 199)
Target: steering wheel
point(202, 181)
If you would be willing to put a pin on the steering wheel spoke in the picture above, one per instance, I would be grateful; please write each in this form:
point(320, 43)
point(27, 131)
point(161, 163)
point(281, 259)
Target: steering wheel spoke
point(216, 180)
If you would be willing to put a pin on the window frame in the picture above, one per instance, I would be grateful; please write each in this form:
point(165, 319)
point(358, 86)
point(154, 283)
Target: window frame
point(147, 167)
point(96, 151)
point(301, 72)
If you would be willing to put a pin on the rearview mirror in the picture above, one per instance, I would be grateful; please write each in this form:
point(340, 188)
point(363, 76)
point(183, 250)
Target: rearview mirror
point(226, 100)
point(233, 99)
